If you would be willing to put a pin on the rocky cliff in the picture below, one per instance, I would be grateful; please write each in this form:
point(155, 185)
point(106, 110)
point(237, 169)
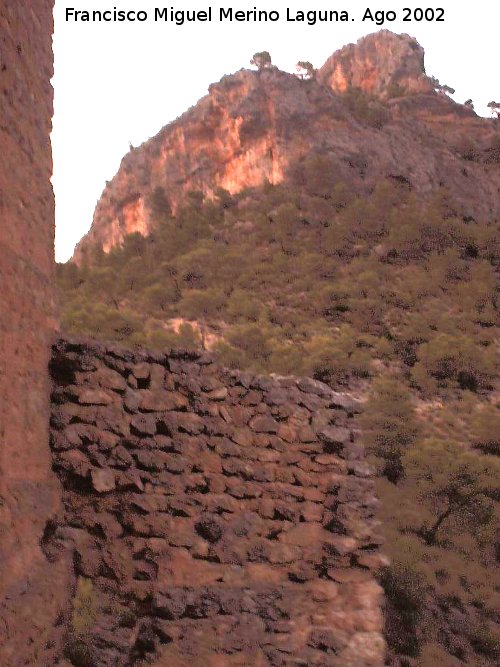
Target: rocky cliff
point(253, 127)
point(381, 64)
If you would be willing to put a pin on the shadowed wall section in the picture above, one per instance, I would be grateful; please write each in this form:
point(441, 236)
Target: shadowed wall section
point(32, 590)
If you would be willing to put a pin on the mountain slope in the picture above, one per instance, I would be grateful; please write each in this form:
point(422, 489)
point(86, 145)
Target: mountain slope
point(351, 236)
point(254, 126)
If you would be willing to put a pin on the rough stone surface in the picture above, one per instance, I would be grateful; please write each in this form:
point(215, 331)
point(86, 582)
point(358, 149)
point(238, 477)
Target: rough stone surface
point(377, 64)
point(34, 584)
point(208, 538)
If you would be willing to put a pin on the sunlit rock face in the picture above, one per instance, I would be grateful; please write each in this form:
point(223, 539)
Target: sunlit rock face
point(229, 140)
point(130, 218)
point(256, 127)
point(380, 64)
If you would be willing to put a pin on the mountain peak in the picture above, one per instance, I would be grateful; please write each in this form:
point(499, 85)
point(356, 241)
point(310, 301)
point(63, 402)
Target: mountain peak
point(260, 127)
point(383, 64)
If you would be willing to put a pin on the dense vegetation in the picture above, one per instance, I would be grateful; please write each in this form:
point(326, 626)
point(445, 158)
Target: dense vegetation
point(394, 296)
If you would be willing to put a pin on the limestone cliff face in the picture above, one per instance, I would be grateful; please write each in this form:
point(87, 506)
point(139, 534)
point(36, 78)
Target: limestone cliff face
point(253, 127)
point(231, 140)
point(378, 64)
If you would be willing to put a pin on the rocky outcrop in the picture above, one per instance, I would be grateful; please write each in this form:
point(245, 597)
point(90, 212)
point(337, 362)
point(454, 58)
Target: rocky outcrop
point(229, 140)
point(256, 127)
point(216, 518)
point(382, 64)
point(33, 590)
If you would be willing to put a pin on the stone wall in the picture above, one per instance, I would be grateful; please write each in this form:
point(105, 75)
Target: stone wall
point(208, 517)
point(30, 603)
point(216, 518)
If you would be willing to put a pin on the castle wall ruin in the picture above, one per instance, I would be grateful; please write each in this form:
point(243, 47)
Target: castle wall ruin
point(216, 517)
point(30, 603)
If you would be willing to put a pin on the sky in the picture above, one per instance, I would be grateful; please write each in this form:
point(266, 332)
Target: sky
point(117, 84)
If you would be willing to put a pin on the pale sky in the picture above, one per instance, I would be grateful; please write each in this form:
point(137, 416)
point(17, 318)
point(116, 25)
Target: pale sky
point(117, 83)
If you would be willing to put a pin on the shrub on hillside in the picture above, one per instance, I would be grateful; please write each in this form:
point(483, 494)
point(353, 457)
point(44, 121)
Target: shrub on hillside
point(486, 430)
point(389, 424)
point(458, 486)
point(454, 361)
point(405, 590)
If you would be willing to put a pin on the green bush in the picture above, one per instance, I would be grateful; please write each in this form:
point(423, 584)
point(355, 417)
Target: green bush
point(486, 430)
point(203, 304)
point(457, 485)
point(367, 110)
point(242, 306)
point(78, 645)
point(389, 424)
point(450, 361)
point(405, 590)
point(80, 652)
point(486, 642)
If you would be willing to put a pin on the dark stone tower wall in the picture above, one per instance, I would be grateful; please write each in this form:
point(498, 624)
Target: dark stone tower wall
point(32, 589)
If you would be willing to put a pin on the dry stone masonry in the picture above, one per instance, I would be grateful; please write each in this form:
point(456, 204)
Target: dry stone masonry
point(215, 517)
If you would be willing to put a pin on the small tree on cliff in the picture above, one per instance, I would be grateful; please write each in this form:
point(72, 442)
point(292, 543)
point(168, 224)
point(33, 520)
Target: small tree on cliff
point(305, 69)
point(495, 108)
point(261, 60)
point(160, 205)
point(442, 87)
